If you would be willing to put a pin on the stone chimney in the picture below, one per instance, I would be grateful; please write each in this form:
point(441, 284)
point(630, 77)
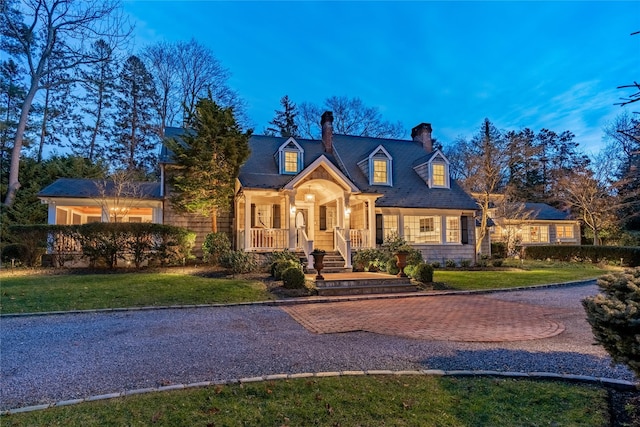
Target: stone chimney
point(422, 134)
point(326, 123)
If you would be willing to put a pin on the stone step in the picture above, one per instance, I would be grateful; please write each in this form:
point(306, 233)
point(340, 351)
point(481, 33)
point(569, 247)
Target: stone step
point(344, 283)
point(365, 289)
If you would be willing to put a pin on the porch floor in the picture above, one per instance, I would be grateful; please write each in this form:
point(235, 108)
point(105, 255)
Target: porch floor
point(358, 283)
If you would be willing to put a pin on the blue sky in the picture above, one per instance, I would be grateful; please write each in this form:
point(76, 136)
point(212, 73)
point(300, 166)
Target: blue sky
point(533, 64)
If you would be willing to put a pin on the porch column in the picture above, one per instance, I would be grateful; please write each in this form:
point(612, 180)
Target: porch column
point(247, 221)
point(51, 213)
point(347, 216)
point(372, 223)
point(290, 206)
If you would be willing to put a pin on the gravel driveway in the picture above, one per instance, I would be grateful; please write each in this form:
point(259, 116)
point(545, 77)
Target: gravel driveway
point(44, 359)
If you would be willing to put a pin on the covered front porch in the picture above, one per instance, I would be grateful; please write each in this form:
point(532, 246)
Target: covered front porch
point(319, 211)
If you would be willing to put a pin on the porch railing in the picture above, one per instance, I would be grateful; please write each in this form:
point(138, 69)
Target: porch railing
point(303, 242)
point(343, 246)
point(269, 239)
point(359, 239)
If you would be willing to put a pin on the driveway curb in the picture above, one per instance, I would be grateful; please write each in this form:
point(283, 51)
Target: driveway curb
point(310, 300)
point(605, 382)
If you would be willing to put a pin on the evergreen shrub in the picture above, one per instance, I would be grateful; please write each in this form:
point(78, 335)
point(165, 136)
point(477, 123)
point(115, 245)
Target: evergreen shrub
point(392, 267)
point(630, 255)
point(423, 273)
point(238, 262)
point(614, 317)
point(293, 278)
point(278, 267)
point(214, 246)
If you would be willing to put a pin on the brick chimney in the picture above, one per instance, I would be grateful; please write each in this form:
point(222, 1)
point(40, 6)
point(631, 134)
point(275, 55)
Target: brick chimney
point(326, 123)
point(422, 134)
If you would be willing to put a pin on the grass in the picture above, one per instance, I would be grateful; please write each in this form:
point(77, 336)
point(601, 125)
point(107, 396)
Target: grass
point(39, 293)
point(527, 274)
point(345, 401)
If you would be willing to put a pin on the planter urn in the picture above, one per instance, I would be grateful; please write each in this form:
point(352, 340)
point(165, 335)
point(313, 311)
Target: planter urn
point(401, 263)
point(318, 264)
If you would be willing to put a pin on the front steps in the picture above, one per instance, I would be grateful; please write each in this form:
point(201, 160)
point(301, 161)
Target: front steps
point(333, 263)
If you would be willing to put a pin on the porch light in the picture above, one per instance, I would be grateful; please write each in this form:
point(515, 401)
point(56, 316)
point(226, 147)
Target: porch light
point(347, 211)
point(292, 209)
point(309, 197)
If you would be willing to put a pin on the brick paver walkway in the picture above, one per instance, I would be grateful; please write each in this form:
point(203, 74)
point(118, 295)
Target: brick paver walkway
point(450, 318)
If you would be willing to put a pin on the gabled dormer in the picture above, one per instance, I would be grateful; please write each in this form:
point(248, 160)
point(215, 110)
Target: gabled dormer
point(290, 157)
point(435, 171)
point(378, 167)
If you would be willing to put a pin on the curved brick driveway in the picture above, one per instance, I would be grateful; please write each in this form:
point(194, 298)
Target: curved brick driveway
point(472, 318)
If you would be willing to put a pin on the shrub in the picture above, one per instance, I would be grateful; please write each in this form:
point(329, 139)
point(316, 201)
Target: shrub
point(435, 264)
point(238, 262)
point(391, 267)
point(172, 245)
point(614, 317)
point(497, 262)
point(366, 257)
point(16, 252)
point(499, 249)
point(285, 255)
point(450, 263)
point(214, 246)
point(278, 267)
point(423, 273)
point(410, 270)
point(466, 263)
point(293, 278)
point(630, 255)
point(34, 239)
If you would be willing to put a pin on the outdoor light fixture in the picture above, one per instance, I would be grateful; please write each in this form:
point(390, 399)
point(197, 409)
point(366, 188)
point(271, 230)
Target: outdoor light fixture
point(309, 196)
point(293, 209)
point(347, 211)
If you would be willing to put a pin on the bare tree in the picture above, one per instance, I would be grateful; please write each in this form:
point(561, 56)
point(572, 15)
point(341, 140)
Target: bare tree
point(39, 31)
point(485, 172)
point(162, 63)
point(509, 215)
point(350, 117)
point(119, 194)
point(590, 199)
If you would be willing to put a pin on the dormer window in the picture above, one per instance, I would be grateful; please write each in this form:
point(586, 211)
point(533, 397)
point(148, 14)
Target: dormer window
point(291, 161)
point(438, 175)
point(290, 157)
point(378, 167)
point(380, 172)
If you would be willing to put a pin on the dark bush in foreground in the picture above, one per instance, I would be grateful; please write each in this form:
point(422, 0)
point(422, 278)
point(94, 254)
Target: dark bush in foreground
point(423, 273)
point(614, 317)
point(215, 245)
point(238, 262)
point(293, 278)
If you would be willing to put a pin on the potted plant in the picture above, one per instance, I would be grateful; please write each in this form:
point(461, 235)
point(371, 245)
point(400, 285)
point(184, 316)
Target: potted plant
point(318, 262)
point(401, 259)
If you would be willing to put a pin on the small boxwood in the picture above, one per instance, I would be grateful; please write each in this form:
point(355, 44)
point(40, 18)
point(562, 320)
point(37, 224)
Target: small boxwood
point(423, 273)
point(293, 278)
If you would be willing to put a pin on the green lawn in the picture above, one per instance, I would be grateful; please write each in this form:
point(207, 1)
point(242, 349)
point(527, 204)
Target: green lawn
point(531, 274)
point(38, 293)
point(345, 401)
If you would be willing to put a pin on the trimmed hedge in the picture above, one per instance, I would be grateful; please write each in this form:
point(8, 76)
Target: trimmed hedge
point(630, 255)
point(106, 243)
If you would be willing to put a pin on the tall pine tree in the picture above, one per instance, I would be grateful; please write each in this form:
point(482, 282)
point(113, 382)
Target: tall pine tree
point(284, 123)
point(134, 132)
point(208, 157)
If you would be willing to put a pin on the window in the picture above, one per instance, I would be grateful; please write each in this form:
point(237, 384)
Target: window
point(263, 216)
point(453, 229)
point(390, 226)
point(426, 225)
point(536, 234)
point(564, 231)
point(291, 161)
point(438, 175)
point(290, 157)
point(380, 171)
point(422, 229)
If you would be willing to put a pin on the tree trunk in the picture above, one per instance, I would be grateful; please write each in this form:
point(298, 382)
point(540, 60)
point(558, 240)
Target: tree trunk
point(214, 220)
point(14, 169)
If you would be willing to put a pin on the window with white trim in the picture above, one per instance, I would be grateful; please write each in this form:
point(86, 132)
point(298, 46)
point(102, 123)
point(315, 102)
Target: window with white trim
point(536, 234)
point(438, 176)
point(453, 229)
point(422, 229)
point(291, 161)
point(263, 216)
point(390, 226)
point(380, 171)
point(564, 232)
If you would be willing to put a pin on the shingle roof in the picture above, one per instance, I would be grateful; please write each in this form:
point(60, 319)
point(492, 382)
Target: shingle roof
point(92, 188)
point(544, 212)
point(408, 190)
